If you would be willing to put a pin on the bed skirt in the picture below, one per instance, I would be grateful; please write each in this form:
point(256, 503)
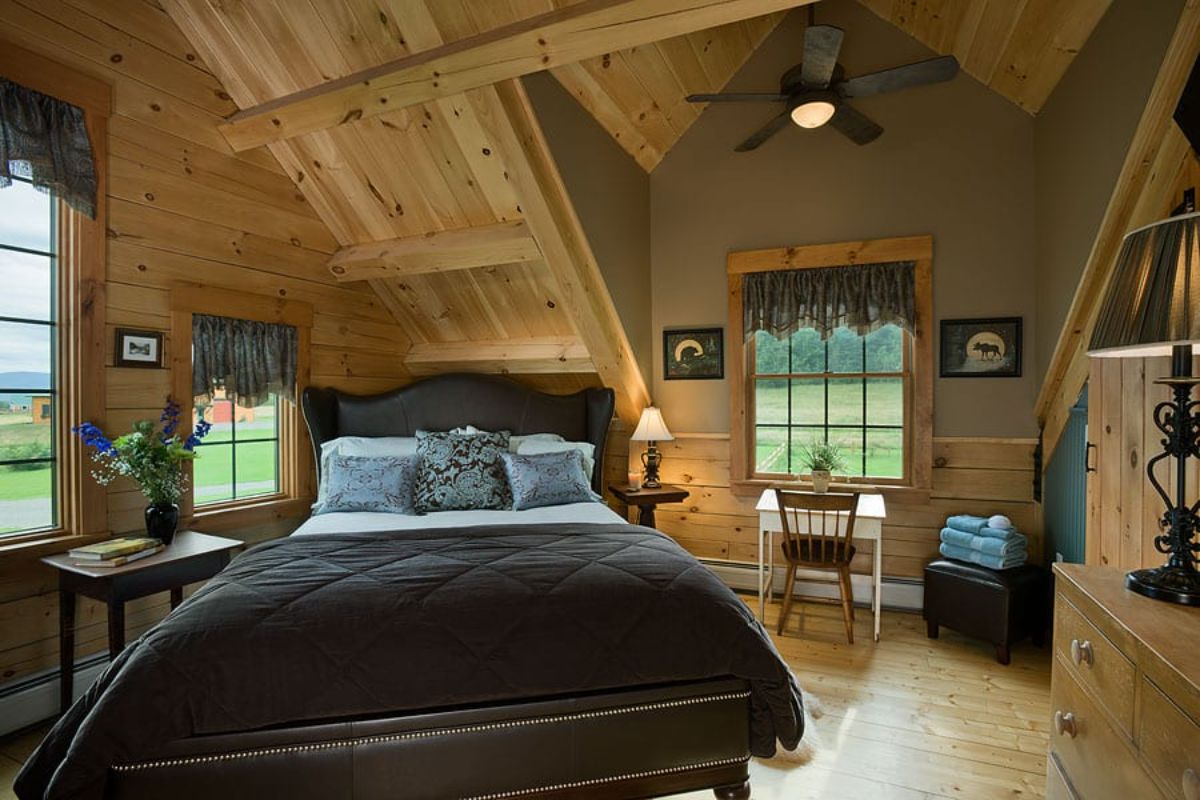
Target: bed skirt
point(618, 744)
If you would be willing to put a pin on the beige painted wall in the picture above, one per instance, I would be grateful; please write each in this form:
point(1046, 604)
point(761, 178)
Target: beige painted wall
point(956, 161)
point(611, 194)
point(1080, 139)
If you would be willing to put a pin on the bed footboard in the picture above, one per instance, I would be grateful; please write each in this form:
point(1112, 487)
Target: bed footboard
point(620, 744)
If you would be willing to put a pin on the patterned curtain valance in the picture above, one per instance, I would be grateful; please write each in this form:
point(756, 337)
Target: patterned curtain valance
point(861, 298)
point(245, 358)
point(46, 141)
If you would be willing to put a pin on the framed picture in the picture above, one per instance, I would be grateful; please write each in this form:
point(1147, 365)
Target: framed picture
point(138, 348)
point(981, 348)
point(694, 354)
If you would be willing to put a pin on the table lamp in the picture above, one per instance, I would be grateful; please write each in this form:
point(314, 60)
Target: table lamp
point(651, 429)
point(1152, 308)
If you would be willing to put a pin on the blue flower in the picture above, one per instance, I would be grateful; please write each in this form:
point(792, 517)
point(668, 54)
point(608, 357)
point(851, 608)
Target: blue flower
point(170, 419)
point(92, 436)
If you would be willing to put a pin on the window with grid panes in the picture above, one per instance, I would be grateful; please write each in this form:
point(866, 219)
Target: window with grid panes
point(239, 459)
point(28, 340)
point(851, 390)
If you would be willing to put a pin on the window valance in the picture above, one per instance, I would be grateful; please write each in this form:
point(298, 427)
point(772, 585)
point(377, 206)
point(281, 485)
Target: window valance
point(245, 358)
point(45, 140)
point(862, 298)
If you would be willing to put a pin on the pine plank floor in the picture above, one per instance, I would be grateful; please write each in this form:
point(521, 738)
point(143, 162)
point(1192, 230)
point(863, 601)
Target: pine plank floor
point(905, 719)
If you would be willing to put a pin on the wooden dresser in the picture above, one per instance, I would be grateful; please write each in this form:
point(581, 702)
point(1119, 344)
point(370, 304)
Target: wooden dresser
point(1125, 695)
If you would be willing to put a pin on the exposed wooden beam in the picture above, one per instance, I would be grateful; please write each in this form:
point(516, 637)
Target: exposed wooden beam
point(509, 119)
point(1068, 369)
point(439, 251)
point(563, 36)
point(518, 356)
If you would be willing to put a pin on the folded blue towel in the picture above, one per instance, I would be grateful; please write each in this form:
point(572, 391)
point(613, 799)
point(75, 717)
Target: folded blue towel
point(968, 523)
point(983, 559)
point(993, 546)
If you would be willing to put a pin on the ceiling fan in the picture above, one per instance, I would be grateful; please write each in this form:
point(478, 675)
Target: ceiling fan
point(815, 91)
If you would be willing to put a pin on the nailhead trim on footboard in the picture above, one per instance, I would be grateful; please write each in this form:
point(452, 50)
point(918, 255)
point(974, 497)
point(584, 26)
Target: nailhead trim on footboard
point(464, 729)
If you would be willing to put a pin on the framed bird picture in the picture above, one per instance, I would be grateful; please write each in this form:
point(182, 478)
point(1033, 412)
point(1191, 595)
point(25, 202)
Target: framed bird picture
point(694, 354)
point(981, 348)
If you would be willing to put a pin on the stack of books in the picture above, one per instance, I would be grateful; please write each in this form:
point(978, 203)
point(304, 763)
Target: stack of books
point(115, 552)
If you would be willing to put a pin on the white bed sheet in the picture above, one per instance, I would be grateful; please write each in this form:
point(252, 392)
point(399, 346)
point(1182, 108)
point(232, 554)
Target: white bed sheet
point(363, 521)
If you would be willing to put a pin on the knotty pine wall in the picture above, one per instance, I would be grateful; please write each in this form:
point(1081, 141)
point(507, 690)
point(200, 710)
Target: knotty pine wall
point(970, 475)
point(181, 207)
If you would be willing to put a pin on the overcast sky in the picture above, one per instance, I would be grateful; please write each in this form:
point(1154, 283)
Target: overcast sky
point(24, 279)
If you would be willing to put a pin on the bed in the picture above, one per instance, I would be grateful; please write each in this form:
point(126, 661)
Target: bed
point(557, 652)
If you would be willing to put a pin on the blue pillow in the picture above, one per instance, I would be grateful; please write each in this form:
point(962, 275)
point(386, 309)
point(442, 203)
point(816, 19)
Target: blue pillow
point(367, 483)
point(548, 479)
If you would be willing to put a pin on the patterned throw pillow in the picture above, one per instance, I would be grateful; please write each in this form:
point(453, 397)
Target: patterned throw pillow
point(360, 483)
point(548, 479)
point(461, 472)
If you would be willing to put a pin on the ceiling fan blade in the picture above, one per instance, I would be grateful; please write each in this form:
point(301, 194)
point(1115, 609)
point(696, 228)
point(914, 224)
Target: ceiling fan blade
point(822, 43)
point(765, 132)
point(737, 97)
point(935, 70)
point(854, 125)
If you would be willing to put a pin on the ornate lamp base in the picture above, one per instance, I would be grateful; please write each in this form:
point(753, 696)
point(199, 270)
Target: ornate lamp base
point(1172, 584)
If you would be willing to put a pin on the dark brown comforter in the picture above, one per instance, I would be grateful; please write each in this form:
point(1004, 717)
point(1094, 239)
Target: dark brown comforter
point(341, 625)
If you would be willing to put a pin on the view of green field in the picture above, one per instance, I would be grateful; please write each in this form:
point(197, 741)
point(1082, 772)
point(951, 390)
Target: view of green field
point(257, 461)
point(25, 489)
point(863, 415)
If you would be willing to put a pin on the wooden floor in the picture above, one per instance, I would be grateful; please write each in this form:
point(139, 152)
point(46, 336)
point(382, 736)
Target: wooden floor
point(907, 718)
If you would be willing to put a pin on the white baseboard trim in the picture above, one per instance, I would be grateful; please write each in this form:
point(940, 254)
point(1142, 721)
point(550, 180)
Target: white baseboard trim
point(35, 699)
point(898, 593)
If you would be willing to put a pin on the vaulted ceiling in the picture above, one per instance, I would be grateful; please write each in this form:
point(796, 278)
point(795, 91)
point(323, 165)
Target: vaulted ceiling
point(1019, 48)
point(426, 163)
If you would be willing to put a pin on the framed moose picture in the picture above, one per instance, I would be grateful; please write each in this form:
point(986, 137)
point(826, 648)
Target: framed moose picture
point(981, 348)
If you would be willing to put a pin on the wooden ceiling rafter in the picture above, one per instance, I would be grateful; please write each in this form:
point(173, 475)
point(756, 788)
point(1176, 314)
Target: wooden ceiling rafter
point(437, 251)
point(535, 356)
point(561, 36)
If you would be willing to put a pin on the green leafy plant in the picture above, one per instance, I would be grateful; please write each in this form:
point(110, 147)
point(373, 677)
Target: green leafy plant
point(153, 458)
point(820, 455)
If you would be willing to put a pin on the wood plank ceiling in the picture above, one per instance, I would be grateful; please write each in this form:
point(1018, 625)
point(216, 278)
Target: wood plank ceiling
point(399, 180)
point(1019, 48)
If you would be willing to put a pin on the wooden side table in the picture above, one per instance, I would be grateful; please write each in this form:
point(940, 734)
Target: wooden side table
point(190, 558)
point(647, 499)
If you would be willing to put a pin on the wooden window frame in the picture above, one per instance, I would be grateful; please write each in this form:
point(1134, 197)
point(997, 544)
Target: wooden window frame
point(295, 455)
point(82, 251)
point(918, 436)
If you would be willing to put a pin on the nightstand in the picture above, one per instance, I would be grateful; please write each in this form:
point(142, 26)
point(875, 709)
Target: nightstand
point(190, 558)
point(647, 499)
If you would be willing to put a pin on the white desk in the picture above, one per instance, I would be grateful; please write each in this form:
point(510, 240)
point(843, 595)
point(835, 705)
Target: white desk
point(868, 526)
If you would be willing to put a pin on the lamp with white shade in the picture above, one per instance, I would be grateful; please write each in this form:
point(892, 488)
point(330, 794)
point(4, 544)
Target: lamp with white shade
point(1152, 308)
point(651, 428)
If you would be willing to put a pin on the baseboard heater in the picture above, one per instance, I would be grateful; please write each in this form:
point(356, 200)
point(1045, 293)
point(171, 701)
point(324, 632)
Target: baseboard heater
point(899, 594)
point(34, 699)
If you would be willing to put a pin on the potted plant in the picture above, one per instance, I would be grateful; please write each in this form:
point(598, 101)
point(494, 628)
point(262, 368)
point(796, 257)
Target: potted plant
point(153, 459)
point(821, 459)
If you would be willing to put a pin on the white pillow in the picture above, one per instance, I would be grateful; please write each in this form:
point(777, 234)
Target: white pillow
point(514, 442)
point(371, 446)
point(533, 447)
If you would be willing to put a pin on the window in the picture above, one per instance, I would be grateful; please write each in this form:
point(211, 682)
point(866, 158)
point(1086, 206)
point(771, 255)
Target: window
point(850, 390)
point(239, 459)
point(28, 384)
point(872, 394)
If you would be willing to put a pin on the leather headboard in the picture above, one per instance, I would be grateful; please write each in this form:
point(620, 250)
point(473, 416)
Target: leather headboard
point(489, 402)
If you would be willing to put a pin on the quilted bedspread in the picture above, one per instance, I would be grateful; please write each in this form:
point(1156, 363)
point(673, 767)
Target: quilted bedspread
point(339, 625)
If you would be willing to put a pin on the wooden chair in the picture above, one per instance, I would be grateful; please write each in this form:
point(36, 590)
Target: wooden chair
point(827, 545)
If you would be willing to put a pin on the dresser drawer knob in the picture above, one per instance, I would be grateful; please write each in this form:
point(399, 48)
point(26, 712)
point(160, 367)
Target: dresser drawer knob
point(1064, 723)
point(1191, 785)
point(1081, 652)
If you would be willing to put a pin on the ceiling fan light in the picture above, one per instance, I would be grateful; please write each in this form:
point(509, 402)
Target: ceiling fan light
point(813, 113)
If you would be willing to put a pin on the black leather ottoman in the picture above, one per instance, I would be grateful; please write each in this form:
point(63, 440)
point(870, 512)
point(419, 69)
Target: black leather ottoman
point(999, 606)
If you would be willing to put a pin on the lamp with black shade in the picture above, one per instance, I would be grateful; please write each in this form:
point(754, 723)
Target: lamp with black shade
point(1152, 308)
point(651, 429)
